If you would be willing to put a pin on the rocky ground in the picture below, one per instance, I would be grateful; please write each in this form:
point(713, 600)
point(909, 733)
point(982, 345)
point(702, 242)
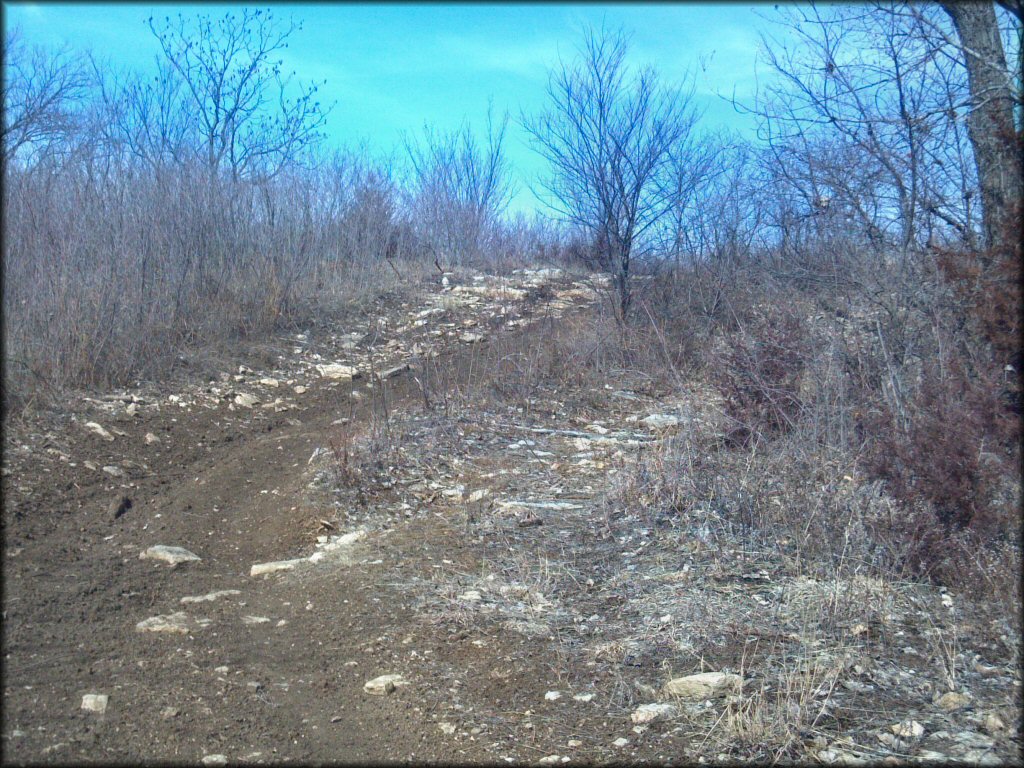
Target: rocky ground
point(381, 540)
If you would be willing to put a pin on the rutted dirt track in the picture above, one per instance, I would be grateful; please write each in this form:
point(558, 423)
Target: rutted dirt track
point(479, 561)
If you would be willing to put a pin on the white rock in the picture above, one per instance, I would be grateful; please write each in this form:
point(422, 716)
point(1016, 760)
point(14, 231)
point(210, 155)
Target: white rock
point(114, 471)
point(172, 555)
point(92, 426)
point(278, 565)
point(584, 697)
point(447, 728)
point(573, 743)
point(705, 685)
point(175, 623)
point(255, 620)
point(299, 390)
point(151, 438)
point(268, 382)
point(246, 400)
point(550, 760)
point(384, 684)
point(210, 597)
point(620, 742)
point(479, 495)
point(95, 702)
point(471, 596)
point(648, 713)
point(215, 760)
point(552, 696)
point(338, 371)
point(471, 338)
point(908, 729)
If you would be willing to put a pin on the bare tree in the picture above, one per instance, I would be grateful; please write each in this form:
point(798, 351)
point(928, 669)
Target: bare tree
point(997, 149)
point(43, 91)
point(460, 188)
point(610, 139)
point(231, 78)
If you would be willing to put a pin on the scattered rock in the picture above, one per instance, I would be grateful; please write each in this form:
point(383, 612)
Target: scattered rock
point(119, 506)
point(390, 373)
point(168, 713)
point(620, 742)
point(952, 701)
point(210, 597)
point(151, 438)
point(299, 390)
point(705, 685)
point(95, 702)
point(255, 620)
point(447, 728)
point(471, 338)
point(246, 400)
point(552, 696)
point(95, 428)
point(384, 684)
point(268, 382)
point(584, 697)
point(278, 565)
point(648, 713)
point(172, 555)
point(528, 628)
point(573, 743)
point(215, 760)
point(471, 596)
point(994, 723)
point(338, 371)
point(113, 471)
point(550, 760)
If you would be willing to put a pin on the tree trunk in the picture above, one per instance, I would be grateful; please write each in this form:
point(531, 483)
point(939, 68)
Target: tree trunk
point(990, 124)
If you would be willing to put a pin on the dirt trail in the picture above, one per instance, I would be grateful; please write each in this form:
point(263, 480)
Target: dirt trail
point(278, 670)
point(479, 554)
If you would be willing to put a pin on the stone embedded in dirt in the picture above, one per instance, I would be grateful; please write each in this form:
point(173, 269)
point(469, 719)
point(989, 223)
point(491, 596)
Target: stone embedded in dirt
point(390, 373)
point(660, 421)
point(151, 438)
point(268, 382)
point(246, 400)
point(584, 697)
point(471, 338)
point(95, 428)
point(447, 728)
point(278, 565)
point(384, 684)
point(215, 760)
point(119, 506)
point(952, 701)
point(255, 620)
point(172, 555)
point(113, 471)
point(528, 628)
point(167, 713)
point(993, 723)
point(648, 713)
point(552, 696)
point(175, 623)
point(210, 597)
point(299, 390)
point(705, 685)
point(338, 371)
point(573, 743)
point(471, 596)
point(908, 729)
point(550, 760)
point(95, 702)
point(620, 742)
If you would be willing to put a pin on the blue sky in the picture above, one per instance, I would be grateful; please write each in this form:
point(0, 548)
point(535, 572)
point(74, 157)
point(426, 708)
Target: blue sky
point(392, 68)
